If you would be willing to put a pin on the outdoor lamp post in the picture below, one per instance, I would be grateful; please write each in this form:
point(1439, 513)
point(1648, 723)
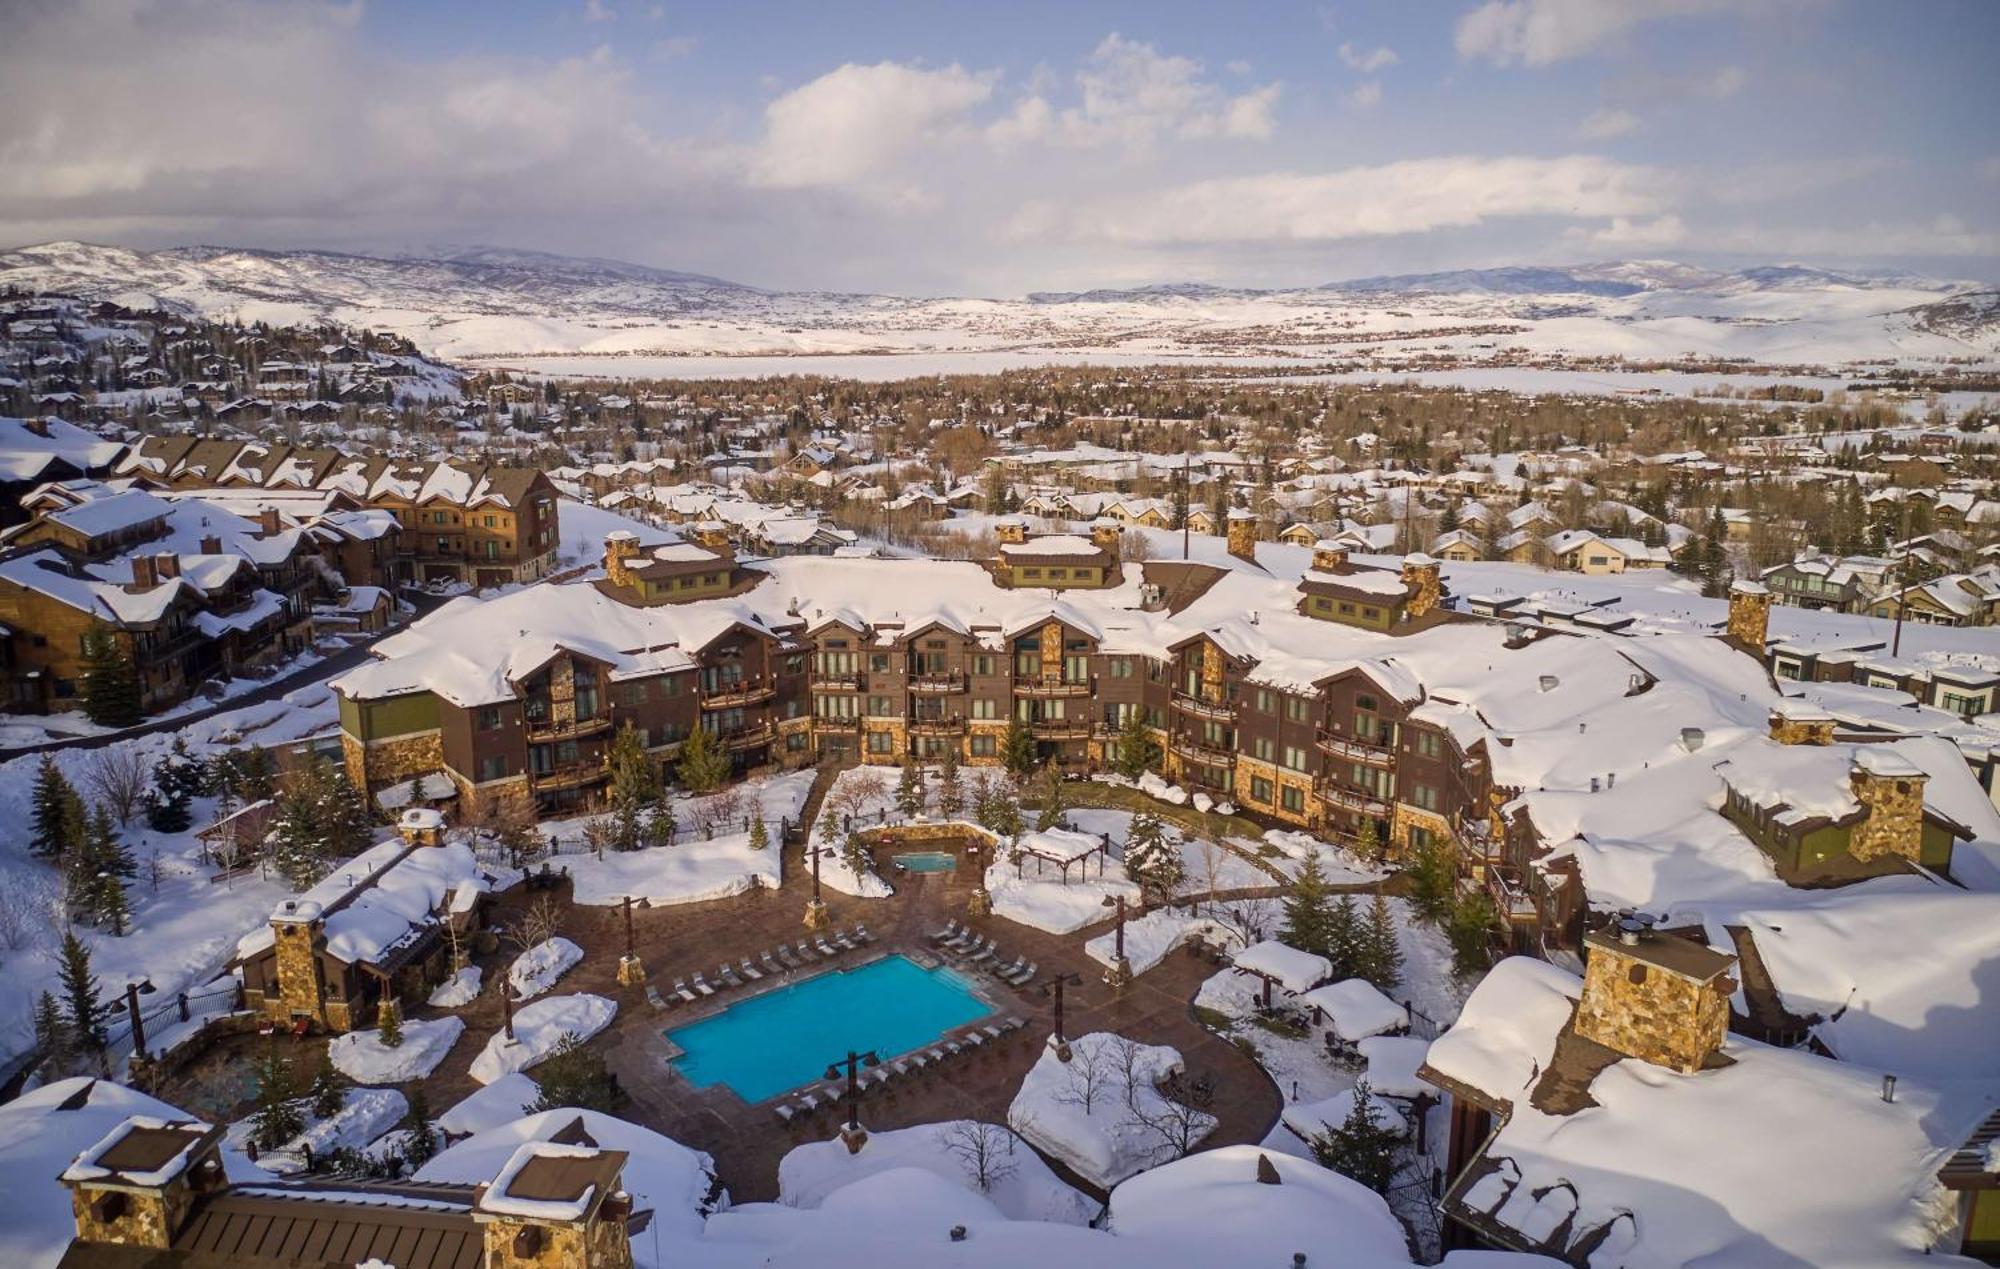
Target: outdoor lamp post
point(852, 1135)
point(1120, 972)
point(817, 918)
point(631, 970)
point(1054, 987)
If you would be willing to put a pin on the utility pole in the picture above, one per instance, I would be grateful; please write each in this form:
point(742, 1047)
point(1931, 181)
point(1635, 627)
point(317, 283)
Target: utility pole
point(1187, 497)
point(1902, 581)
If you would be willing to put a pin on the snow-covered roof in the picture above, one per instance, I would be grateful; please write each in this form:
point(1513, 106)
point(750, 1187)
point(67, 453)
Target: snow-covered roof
point(1357, 1009)
point(1290, 968)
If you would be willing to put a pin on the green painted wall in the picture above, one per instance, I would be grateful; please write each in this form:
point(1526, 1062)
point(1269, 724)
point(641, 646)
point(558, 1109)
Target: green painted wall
point(393, 716)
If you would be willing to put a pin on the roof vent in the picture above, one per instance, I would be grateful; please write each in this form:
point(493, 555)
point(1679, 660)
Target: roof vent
point(1629, 930)
point(1693, 738)
point(1549, 682)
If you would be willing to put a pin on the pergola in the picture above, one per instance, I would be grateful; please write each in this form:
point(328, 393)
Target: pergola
point(1063, 847)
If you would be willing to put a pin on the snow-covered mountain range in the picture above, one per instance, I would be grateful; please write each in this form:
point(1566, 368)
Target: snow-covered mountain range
point(487, 303)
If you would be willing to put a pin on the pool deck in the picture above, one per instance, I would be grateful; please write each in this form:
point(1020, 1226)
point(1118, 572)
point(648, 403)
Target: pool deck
point(747, 1141)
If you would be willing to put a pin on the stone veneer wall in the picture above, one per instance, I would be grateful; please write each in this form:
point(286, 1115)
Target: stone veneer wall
point(1403, 818)
point(1429, 591)
point(1242, 538)
point(1645, 1012)
point(149, 1219)
point(380, 762)
point(1789, 731)
point(599, 1244)
point(299, 987)
point(1281, 778)
point(1749, 619)
point(1893, 823)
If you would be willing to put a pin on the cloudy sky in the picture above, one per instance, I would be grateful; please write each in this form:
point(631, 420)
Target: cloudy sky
point(946, 147)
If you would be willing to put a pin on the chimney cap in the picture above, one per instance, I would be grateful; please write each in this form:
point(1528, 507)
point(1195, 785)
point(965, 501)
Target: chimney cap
point(420, 819)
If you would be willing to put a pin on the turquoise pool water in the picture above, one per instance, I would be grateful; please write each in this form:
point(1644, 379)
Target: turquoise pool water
point(928, 861)
point(784, 1038)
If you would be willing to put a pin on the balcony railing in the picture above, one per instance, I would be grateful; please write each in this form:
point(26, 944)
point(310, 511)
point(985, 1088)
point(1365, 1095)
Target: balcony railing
point(937, 684)
point(1220, 711)
point(737, 695)
point(936, 726)
point(1060, 729)
point(1200, 751)
point(1338, 746)
point(570, 775)
point(1056, 687)
point(575, 729)
point(1351, 799)
point(748, 737)
point(836, 682)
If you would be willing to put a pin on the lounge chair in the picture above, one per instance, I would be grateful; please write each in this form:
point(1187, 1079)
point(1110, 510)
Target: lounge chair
point(974, 1039)
point(771, 966)
point(728, 975)
point(824, 948)
point(1014, 1022)
point(681, 990)
point(702, 986)
point(1021, 977)
point(750, 972)
point(844, 943)
point(833, 1093)
point(861, 934)
point(992, 1031)
point(808, 1104)
point(811, 953)
point(653, 997)
point(1011, 967)
point(948, 933)
point(967, 940)
point(935, 1055)
point(953, 1048)
point(991, 953)
point(785, 1113)
point(901, 1067)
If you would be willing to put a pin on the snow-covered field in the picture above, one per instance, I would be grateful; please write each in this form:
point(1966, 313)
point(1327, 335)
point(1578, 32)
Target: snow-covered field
point(695, 867)
point(542, 966)
point(1020, 1184)
point(538, 1028)
point(1099, 1114)
point(363, 1058)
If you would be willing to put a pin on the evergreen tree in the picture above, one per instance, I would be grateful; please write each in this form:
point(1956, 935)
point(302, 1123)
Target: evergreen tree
point(79, 985)
point(389, 1022)
point(277, 1118)
point(1138, 752)
point(1432, 880)
point(1473, 920)
point(1308, 922)
point(704, 764)
point(111, 696)
point(910, 790)
point(951, 789)
point(1153, 858)
point(1362, 1147)
point(329, 1087)
point(634, 779)
point(1054, 799)
point(175, 781)
point(760, 836)
point(1017, 749)
point(56, 807)
point(420, 1140)
point(52, 1036)
point(251, 774)
point(574, 1077)
point(1344, 935)
point(1381, 959)
point(1368, 843)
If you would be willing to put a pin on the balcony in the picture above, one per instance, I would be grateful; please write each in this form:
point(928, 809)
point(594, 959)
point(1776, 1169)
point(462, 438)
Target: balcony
point(739, 695)
point(937, 684)
point(1200, 751)
point(1061, 729)
point(836, 682)
point(747, 737)
point(1055, 687)
point(1217, 711)
point(1337, 746)
point(937, 726)
point(570, 775)
point(1351, 799)
point(543, 729)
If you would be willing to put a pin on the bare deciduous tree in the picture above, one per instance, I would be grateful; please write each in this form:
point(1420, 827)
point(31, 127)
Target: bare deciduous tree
point(855, 793)
point(118, 776)
point(26, 905)
point(1180, 1116)
point(539, 922)
point(985, 1150)
point(720, 811)
point(1248, 919)
point(1090, 1069)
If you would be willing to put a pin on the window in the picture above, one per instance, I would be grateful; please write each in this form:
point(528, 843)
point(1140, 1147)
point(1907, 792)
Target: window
point(878, 663)
point(1266, 701)
point(1297, 709)
point(982, 708)
point(983, 747)
point(1295, 758)
point(492, 767)
point(489, 718)
point(1260, 789)
point(1346, 609)
point(1121, 667)
point(1058, 574)
point(1370, 614)
point(1031, 572)
point(1425, 796)
point(1263, 750)
point(982, 665)
point(1430, 744)
point(1420, 838)
point(880, 742)
point(882, 706)
point(1293, 799)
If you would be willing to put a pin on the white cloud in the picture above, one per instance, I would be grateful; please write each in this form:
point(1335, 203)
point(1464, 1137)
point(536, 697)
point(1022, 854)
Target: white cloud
point(1624, 233)
point(674, 47)
point(857, 122)
point(1414, 196)
point(598, 11)
point(1366, 96)
point(1605, 124)
point(1369, 62)
point(1539, 32)
point(1132, 96)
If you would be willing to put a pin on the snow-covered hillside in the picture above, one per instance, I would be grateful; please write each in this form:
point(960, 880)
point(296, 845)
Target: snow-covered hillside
point(509, 305)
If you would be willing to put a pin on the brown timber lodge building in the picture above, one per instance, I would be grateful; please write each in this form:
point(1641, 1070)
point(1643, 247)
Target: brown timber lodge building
point(1300, 699)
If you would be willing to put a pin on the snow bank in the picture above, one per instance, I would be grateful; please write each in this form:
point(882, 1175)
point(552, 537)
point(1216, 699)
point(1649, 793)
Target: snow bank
point(1151, 938)
point(363, 1058)
point(1506, 1034)
point(365, 1114)
point(696, 869)
point(1047, 904)
point(538, 1028)
point(458, 991)
point(501, 1102)
point(538, 969)
point(1109, 1139)
point(1029, 1191)
point(1309, 1119)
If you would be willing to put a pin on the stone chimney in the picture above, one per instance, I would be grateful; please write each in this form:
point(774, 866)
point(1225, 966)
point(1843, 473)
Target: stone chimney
point(145, 572)
point(421, 826)
point(298, 932)
point(1010, 531)
point(211, 546)
point(1656, 997)
point(267, 520)
point(1890, 789)
point(167, 565)
point(1797, 723)
point(1329, 556)
point(620, 545)
point(39, 426)
point(1242, 536)
point(713, 534)
point(557, 1206)
point(1420, 575)
point(1105, 534)
point(136, 1187)
point(1750, 616)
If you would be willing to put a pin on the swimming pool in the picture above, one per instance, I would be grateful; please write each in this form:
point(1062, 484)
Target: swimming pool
point(784, 1038)
point(928, 861)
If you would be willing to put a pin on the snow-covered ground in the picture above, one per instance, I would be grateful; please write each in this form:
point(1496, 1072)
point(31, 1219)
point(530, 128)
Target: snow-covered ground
point(695, 867)
point(1045, 902)
point(1100, 1115)
point(542, 966)
point(364, 1115)
point(1019, 1183)
point(538, 1028)
point(459, 990)
point(362, 1057)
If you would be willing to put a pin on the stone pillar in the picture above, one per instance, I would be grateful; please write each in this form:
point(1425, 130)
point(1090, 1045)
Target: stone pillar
point(1890, 789)
point(299, 931)
point(1052, 650)
point(817, 917)
point(1010, 531)
point(1420, 575)
point(1328, 556)
point(137, 1188)
point(1655, 997)
point(980, 903)
point(1242, 536)
point(421, 826)
point(1797, 723)
point(1105, 534)
point(1750, 616)
point(631, 971)
point(620, 545)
